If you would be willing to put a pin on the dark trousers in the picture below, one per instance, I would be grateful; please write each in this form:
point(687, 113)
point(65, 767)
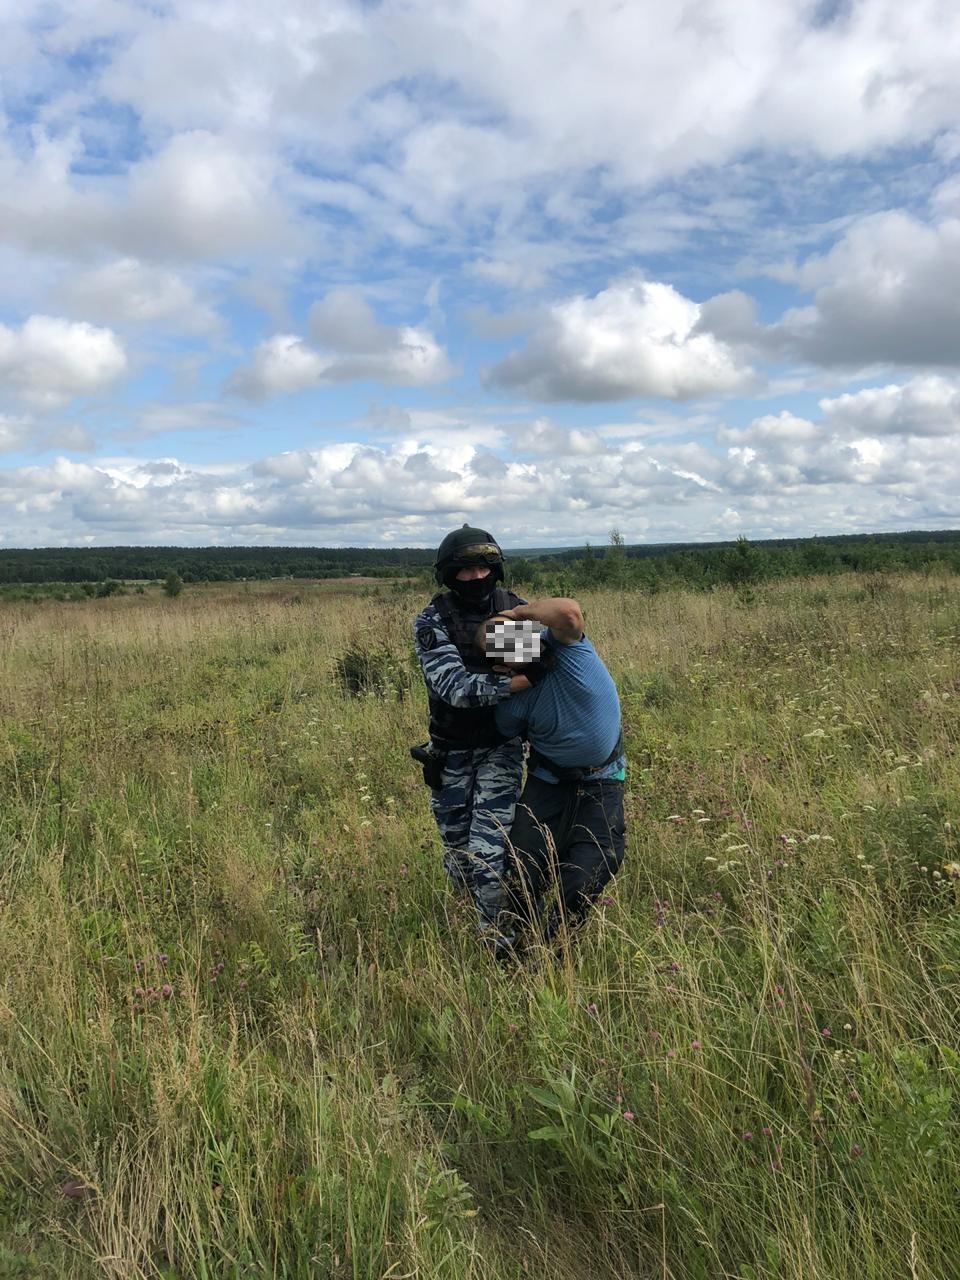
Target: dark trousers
point(568, 836)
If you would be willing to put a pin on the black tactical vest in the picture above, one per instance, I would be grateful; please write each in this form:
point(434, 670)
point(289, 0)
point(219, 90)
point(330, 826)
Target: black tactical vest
point(459, 728)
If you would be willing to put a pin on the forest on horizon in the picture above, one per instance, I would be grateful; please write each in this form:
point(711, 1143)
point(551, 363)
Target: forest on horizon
point(79, 572)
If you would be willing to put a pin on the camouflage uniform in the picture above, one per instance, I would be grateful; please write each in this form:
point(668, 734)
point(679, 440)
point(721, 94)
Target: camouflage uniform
point(475, 804)
point(474, 812)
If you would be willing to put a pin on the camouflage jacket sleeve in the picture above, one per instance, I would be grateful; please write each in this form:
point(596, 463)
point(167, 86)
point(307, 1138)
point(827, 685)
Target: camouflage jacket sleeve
point(443, 670)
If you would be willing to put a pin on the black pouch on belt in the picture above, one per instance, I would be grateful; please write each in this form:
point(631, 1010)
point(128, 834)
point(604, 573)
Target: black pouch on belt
point(432, 762)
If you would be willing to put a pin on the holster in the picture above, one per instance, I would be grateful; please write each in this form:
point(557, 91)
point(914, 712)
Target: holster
point(432, 762)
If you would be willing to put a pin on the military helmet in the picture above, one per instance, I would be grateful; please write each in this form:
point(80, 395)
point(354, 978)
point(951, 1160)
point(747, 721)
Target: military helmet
point(465, 548)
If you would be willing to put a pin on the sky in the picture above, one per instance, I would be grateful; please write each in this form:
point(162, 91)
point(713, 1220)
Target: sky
point(354, 272)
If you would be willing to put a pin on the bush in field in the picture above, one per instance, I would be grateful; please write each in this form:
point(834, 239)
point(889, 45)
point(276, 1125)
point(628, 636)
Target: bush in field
point(368, 667)
point(172, 584)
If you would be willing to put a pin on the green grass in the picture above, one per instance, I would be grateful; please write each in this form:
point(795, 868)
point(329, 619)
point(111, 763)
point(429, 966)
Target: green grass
point(245, 1032)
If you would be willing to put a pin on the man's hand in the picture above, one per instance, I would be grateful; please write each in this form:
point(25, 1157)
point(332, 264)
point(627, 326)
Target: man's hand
point(562, 615)
point(517, 682)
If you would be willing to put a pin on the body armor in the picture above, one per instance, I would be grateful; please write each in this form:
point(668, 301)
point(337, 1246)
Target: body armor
point(461, 728)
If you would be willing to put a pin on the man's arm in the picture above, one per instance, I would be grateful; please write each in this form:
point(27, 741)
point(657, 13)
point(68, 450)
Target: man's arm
point(448, 678)
point(517, 682)
point(512, 717)
point(563, 616)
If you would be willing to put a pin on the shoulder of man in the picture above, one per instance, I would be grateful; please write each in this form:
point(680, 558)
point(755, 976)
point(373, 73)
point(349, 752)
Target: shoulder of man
point(429, 628)
point(572, 650)
point(514, 598)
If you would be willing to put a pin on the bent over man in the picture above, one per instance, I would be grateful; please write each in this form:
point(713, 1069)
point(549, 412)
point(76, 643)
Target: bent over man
point(568, 833)
point(473, 768)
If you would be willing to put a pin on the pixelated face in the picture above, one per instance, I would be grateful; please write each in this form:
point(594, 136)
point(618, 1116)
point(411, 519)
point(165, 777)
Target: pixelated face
point(510, 641)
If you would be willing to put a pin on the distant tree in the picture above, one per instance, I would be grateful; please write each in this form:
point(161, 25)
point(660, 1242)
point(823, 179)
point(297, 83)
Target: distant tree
point(615, 570)
point(521, 569)
point(744, 563)
point(172, 584)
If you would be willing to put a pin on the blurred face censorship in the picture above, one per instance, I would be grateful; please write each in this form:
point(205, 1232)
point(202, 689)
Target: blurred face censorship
point(510, 641)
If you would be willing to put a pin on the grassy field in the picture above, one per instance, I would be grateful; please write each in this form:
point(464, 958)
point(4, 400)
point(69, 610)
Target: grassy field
point(245, 1032)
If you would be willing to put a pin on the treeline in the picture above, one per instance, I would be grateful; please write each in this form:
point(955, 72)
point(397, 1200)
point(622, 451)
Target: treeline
point(740, 563)
point(66, 591)
point(97, 571)
point(205, 564)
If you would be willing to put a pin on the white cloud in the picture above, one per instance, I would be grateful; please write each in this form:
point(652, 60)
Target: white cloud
point(534, 106)
point(287, 67)
point(355, 346)
point(641, 92)
point(281, 365)
point(545, 437)
point(731, 317)
point(900, 438)
point(127, 291)
point(20, 433)
point(204, 197)
point(442, 428)
point(410, 493)
point(634, 338)
point(887, 293)
point(511, 273)
point(198, 197)
point(344, 322)
point(161, 166)
point(200, 415)
point(48, 360)
point(794, 469)
point(945, 199)
point(778, 429)
point(14, 433)
point(927, 405)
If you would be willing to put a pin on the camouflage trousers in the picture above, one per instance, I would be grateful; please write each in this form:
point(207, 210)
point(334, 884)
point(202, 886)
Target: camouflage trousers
point(474, 811)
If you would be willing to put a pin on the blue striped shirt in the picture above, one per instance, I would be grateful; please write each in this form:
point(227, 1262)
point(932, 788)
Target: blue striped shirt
point(573, 715)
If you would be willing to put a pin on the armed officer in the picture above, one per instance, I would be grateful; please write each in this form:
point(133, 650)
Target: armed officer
point(473, 769)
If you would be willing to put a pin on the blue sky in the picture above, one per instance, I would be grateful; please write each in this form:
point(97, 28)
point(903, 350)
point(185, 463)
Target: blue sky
point(350, 274)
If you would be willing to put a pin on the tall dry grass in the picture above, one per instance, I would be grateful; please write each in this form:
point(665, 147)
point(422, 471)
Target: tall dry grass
point(245, 1032)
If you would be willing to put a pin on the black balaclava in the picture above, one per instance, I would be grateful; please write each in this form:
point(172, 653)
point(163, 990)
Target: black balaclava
point(476, 591)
